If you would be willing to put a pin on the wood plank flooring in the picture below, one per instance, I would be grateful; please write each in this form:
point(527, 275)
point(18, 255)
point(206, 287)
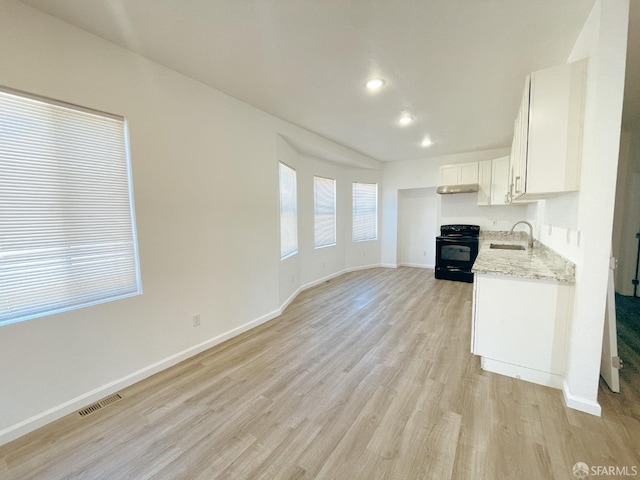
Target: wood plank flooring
point(367, 376)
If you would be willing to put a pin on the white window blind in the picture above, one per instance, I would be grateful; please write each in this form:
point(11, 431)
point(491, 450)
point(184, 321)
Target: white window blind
point(288, 212)
point(324, 192)
point(365, 211)
point(67, 230)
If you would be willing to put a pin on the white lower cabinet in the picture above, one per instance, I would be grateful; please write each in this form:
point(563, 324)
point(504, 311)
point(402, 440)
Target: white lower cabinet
point(519, 327)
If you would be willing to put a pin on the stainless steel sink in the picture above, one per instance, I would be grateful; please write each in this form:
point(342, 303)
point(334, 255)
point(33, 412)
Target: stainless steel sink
point(506, 246)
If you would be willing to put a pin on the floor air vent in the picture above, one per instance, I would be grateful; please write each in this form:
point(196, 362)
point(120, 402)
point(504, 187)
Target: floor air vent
point(105, 402)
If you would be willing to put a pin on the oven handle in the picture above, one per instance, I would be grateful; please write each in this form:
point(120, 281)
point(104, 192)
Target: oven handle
point(457, 241)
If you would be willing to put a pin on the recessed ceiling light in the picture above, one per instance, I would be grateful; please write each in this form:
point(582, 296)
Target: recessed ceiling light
point(426, 142)
point(405, 119)
point(374, 84)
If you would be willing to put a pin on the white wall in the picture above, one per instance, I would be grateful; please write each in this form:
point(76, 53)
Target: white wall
point(457, 208)
point(206, 194)
point(364, 254)
point(555, 223)
point(318, 263)
point(463, 208)
point(313, 265)
point(588, 214)
point(417, 227)
point(289, 268)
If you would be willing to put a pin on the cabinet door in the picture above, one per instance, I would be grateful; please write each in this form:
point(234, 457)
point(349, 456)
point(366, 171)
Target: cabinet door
point(484, 182)
point(521, 322)
point(512, 162)
point(468, 173)
point(449, 175)
point(499, 181)
point(555, 140)
point(547, 137)
point(521, 133)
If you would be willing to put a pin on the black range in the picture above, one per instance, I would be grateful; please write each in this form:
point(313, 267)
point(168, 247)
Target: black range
point(456, 250)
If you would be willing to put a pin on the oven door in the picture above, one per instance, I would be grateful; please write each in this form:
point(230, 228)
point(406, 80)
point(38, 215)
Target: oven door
point(455, 257)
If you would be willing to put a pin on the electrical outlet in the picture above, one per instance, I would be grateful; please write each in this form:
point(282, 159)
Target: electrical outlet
point(196, 320)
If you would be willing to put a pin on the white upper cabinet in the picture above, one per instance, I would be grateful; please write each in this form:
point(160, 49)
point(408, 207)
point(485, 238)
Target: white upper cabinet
point(449, 175)
point(459, 174)
point(547, 140)
point(484, 182)
point(468, 173)
point(493, 181)
point(500, 181)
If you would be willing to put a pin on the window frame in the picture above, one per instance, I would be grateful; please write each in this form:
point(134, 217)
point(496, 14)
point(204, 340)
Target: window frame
point(293, 226)
point(58, 250)
point(356, 223)
point(333, 206)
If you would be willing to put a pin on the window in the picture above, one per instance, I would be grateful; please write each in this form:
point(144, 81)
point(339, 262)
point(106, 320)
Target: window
point(67, 230)
point(324, 213)
point(288, 212)
point(365, 211)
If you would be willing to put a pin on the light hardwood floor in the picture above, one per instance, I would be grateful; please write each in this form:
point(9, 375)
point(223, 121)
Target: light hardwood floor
point(367, 376)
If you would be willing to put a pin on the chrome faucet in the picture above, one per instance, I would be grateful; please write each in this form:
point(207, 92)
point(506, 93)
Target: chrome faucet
point(530, 231)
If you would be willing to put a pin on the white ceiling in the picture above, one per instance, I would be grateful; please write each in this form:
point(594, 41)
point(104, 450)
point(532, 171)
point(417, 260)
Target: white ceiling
point(457, 66)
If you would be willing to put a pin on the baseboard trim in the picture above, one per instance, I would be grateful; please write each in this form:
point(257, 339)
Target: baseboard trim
point(288, 301)
point(522, 373)
point(326, 278)
point(579, 403)
point(416, 265)
point(362, 267)
point(30, 424)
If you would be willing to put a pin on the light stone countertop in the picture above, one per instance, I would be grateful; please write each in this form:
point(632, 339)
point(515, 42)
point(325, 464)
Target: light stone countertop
point(541, 263)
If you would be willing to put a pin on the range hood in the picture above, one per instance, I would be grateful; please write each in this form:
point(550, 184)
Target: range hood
point(464, 188)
